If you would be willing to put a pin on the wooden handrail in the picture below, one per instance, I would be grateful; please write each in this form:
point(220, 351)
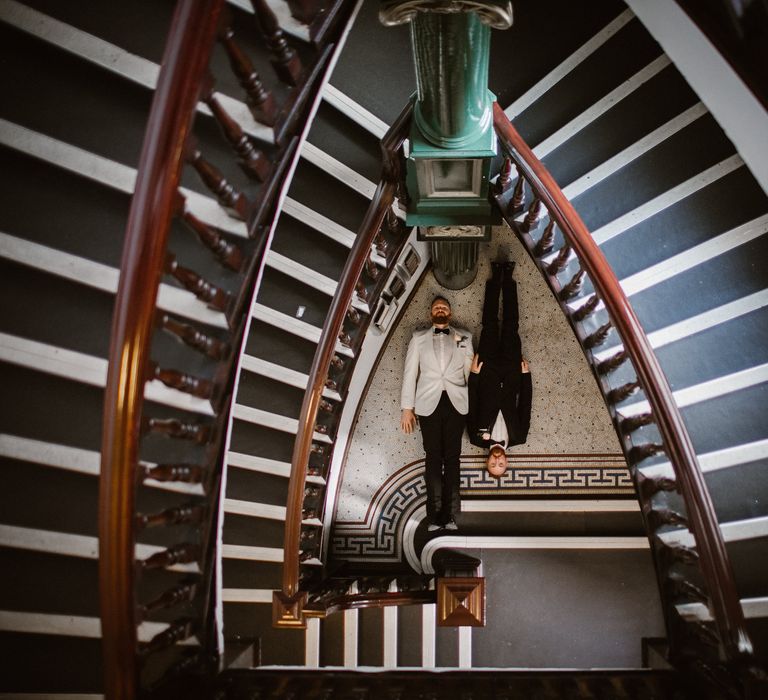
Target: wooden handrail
point(714, 560)
point(386, 599)
point(184, 62)
point(359, 254)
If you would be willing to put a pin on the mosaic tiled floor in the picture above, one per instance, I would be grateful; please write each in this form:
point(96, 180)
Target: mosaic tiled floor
point(570, 426)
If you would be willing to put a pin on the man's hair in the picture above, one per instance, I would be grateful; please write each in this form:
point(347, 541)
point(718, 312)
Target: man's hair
point(439, 298)
point(496, 448)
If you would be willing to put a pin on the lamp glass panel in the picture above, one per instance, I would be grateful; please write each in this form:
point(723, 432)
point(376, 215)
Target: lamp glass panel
point(452, 175)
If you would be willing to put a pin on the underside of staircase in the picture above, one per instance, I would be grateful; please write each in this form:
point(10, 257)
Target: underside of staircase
point(674, 208)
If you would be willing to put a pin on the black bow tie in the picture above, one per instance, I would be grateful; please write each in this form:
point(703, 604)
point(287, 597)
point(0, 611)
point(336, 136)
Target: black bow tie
point(440, 330)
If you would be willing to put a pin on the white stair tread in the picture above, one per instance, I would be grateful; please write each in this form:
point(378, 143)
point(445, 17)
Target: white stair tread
point(102, 277)
point(127, 65)
point(87, 369)
point(108, 172)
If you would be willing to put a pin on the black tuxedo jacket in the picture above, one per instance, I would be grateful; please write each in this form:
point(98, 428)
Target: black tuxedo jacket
point(490, 392)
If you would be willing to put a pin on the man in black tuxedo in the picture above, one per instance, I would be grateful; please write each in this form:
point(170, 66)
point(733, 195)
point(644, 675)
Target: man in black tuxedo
point(500, 381)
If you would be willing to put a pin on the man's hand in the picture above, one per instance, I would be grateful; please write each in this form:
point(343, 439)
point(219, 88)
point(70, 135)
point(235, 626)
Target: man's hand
point(408, 421)
point(524, 366)
point(476, 366)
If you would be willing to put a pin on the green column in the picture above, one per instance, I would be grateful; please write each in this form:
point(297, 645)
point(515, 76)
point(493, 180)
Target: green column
point(451, 51)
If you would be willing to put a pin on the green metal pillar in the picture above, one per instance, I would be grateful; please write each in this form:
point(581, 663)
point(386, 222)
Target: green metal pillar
point(452, 142)
point(451, 51)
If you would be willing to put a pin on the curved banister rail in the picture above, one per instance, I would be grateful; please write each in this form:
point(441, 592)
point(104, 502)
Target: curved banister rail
point(382, 201)
point(184, 62)
point(714, 560)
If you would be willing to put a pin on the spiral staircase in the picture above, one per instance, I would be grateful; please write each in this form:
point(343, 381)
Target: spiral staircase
point(674, 207)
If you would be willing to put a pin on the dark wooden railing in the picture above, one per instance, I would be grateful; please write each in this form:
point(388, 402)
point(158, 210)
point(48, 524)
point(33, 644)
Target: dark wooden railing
point(710, 553)
point(134, 434)
point(359, 271)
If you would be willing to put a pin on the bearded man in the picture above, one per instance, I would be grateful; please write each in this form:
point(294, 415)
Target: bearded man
point(435, 390)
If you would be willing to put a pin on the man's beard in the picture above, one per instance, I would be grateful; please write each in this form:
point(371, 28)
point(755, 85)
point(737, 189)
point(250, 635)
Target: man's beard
point(440, 318)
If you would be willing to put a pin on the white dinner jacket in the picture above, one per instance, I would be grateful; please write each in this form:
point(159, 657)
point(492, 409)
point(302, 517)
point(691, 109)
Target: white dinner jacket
point(424, 380)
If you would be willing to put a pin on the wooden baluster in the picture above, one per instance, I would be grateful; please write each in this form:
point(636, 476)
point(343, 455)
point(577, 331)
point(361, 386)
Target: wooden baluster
point(229, 254)
point(185, 553)
point(622, 392)
point(337, 363)
point(253, 162)
point(394, 224)
point(361, 291)
point(380, 243)
point(612, 363)
point(650, 486)
point(598, 337)
point(546, 241)
point(707, 636)
point(354, 316)
point(372, 269)
point(173, 596)
point(573, 287)
point(260, 101)
point(312, 493)
point(318, 450)
point(313, 470)
point(632, 423)
point(233, 201)
point(518, 194)
point(560, 261)
point(181, 381)
point(586, 309)
point(310, 513)
point(686, 555)
point(190, 513)
point(505, 177)
point(309, 538)
point(284, 59)
point(322, 429)
point(331, 385)
point(212, 295)
point(304, 10)
point(188, 334)
point(345, 339)
point(173, 427)
point(532, 218)
point(326, 406)
point(683, 588)
point(188, 473)
point(659, 517)
point(177, 632)
point(640, 452)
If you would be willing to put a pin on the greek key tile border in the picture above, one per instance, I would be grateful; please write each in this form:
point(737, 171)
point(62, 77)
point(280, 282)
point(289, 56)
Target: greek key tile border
point(379, 537)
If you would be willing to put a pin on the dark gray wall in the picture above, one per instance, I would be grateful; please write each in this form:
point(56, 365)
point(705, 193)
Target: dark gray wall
point(567, 608)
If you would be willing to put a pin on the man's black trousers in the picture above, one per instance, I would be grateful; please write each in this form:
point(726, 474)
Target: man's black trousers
point(441, 434)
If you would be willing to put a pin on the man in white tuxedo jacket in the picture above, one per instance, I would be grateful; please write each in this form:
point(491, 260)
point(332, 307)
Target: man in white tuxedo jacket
point(435, 389)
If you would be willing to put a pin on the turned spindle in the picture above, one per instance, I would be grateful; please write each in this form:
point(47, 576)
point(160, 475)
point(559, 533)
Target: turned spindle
point(546, 241)
point(252, 161)
point(208, 345)
point(586, 309)
point(560, 261)
point(207, 292)
point(598, 337)
point(283, 58)
point(532, 217)
point(228, 196)
point(187, 473)
point(260, 101)
point(175, 428)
